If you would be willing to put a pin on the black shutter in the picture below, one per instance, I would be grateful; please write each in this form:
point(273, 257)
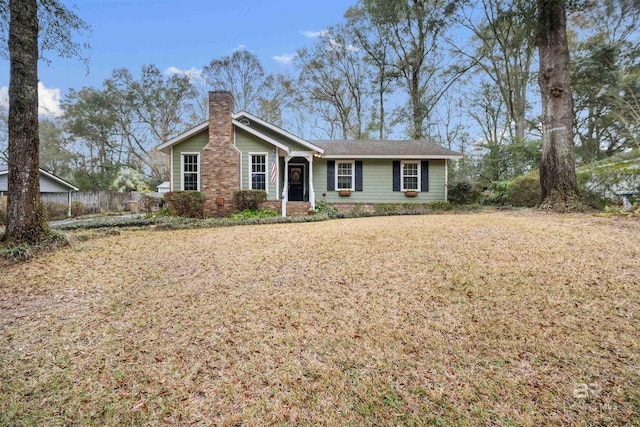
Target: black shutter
point(425, 176)
point(396, 175)
point(331, 175)
point(358, 175)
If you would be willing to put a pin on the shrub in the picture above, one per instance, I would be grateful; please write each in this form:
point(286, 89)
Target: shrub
point(189, 204)
point(249, 199)
point(78, 209)
point(383, 208)
point(463, 193)
point(496, 193)
point(3, 216)
point(56, 210)
point(248, 213)
point(524, 190)
point(440, 206)
point(149, 203)
point(323, 207)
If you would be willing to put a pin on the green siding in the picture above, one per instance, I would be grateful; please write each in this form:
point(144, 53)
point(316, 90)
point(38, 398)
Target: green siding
point(191, 145)
point(377, 183)
point(249, 143)
point(293, 146)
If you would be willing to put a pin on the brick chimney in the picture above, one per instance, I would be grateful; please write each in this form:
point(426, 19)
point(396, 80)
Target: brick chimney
point(220, 168)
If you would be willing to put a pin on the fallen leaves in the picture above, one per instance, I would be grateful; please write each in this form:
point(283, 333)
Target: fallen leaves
point(451, 319)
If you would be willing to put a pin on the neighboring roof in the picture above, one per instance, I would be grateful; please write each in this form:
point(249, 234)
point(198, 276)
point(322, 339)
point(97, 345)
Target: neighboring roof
point(375, 148)
point(4, 169)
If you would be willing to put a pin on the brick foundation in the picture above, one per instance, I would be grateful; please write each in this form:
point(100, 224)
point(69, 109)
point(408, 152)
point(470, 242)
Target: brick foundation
point(220, 163)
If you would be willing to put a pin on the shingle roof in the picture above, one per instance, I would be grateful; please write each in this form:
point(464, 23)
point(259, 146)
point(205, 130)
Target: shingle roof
point(375, 147)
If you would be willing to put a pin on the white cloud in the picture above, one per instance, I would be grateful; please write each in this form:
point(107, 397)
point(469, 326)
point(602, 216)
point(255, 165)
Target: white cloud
point(48, 100)
point(239, 47)
point(314, 34)
point(193, 73)
point(285, 58)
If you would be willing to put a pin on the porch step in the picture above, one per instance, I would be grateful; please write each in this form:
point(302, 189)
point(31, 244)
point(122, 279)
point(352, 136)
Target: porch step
point(298, 208)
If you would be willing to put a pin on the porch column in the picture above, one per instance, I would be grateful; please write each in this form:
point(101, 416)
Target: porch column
point(312, 193)
point(69, 200)
point(285, 192)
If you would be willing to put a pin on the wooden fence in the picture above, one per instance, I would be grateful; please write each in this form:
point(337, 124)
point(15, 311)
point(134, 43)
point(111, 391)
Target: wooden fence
point(96, 201)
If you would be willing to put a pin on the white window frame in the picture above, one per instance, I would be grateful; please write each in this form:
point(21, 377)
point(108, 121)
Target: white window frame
point(182, 168)
point(267, 170)
point(353, 174)
point(402, 176)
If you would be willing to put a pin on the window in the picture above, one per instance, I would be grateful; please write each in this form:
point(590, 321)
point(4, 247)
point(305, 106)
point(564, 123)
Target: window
point(258, 171)
point(410, 176)
point(191, 171)
point(344, 176)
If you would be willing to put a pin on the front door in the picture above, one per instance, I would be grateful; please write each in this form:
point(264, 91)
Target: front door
point(296, 183)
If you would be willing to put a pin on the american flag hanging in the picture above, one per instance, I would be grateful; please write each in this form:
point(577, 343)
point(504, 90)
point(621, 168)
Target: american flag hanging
point(273, 167)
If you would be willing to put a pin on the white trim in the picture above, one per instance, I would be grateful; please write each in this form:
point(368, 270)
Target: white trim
point(240, 158)
point(446, 179)
point(278, 130)
point(304, 182)
point(182, 154)
point(353, 176)
point(171, 170)
point(387, 156)
point(184, 135)
point(411, 162)
point(277, 150)
point(267, 167)
point(260, 135)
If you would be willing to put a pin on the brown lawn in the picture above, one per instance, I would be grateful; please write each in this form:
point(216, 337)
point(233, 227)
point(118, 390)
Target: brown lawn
point(503, 318)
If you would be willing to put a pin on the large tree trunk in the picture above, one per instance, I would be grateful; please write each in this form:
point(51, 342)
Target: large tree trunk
point(557, 168)
point(26, 219)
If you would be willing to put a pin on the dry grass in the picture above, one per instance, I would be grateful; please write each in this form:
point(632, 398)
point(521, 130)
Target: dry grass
point(474, 319)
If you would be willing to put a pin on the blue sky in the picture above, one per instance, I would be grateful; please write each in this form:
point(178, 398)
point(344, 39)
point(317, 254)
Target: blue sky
point(181, 35)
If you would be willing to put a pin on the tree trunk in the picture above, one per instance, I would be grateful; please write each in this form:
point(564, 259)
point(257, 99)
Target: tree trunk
point(26, 218)
point(557, 168)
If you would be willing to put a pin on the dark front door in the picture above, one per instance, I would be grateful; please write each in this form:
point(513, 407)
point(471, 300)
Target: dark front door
point(296, 183)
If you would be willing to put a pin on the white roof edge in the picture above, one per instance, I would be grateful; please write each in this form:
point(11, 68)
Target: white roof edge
point(393, 156)
point(58, 180)
point(52, 177)
point(280, 131)
point(260, 135)
point(184, 135)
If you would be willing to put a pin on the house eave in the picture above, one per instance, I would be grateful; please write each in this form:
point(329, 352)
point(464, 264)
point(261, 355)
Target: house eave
point(274, 128)
point(260, 135)
point(394, 156)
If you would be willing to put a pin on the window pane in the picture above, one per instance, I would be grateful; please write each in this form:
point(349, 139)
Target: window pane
point(258, 181)
point(344, 182)
point(410, 183)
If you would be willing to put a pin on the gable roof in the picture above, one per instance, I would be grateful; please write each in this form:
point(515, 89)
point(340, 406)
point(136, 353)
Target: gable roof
point(4, 170)
point(237, 117)
point(387, 149)
point(164, 147)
